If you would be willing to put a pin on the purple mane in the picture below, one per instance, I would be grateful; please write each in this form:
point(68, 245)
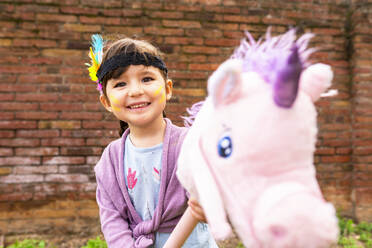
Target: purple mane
point(278, 60)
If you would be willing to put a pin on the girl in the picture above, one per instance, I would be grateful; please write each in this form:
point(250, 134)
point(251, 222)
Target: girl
point(139, 197)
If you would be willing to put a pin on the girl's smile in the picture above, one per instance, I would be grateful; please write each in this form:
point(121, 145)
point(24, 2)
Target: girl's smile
point(138, 106)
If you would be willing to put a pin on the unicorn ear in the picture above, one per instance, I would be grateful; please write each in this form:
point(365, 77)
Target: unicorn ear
point(316, 79)
point(224, 85)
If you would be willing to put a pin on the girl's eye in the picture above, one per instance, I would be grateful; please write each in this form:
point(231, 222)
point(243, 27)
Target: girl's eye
point(224, 146)
point(120, 84)
point(147, 79)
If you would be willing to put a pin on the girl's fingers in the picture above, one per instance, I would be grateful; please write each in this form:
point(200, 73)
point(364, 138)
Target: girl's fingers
point(196, 210)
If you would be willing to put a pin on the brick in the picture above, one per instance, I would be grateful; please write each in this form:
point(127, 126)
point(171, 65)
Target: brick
point(54, 88)
point(63, 160)
point(82, 133)
point(92, 160)
point(19, 69)
point(200, 49)
point(63, 142)
point(20, 142)
point(19, 161)
point(61, 53)
point(66, 178)
point(22, 179)
point(18, 106)
point(5, 42)
point(102, 20)
point(56, 18)
point(79, 10)
point(35, 97)
point(68, 169)
point(363, 196)
point(183, 41)
point(222, 42)
point(163, 31)
point(363, 159)
point(6, 97)
point(184, 24)
point(37, 8)
point(81, 151)
point(50, 169)
point(100, 141)
point(36, 115)
point(100, 124)
point(34, 43)
point(37, 133)
point(6, 152)
point(39, 151)
point(344, 150)
point(80, 97)
point(53, 213)
point(6, 134)
point(203, 67)
point(82, 28)
point(189, 92)
point(59, 124)
point(14, 197)
point(325, 151)
point(17, 88)
point(336, 159)
point(165, 14)
point(40, 79)
point(60, 106)
point(6, 116)
point(90, 213)
point(18, 124)
point(5, 171)
point(81, 116)
point(188, 75)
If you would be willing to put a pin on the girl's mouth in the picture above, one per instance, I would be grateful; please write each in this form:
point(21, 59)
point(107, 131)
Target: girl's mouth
point(138, 106)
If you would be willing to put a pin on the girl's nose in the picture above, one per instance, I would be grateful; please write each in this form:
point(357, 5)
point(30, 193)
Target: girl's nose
point(135, 89)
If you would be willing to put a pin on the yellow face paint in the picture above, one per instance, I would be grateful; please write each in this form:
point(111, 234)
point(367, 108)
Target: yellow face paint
point(114, 102)
point(160, 91)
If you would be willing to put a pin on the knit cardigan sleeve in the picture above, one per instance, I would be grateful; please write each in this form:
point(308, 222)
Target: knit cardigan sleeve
point(112, 207)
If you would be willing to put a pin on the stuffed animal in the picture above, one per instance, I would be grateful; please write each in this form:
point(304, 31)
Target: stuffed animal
point(248, 156)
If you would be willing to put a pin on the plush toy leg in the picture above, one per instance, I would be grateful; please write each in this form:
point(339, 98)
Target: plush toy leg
point(182, 230)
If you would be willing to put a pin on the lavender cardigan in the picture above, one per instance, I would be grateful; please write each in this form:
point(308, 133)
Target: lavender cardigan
point(120, 223)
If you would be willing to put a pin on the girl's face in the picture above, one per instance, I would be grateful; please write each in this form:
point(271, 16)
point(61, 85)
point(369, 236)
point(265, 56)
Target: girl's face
point(138, 96)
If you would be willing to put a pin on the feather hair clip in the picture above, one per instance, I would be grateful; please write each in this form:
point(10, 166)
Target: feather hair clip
point(95, 54)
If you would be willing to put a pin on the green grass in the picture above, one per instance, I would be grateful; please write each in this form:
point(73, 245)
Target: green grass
point(352, 235)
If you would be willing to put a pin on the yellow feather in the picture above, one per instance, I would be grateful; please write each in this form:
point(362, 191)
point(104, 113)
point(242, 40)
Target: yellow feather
point(93, 68)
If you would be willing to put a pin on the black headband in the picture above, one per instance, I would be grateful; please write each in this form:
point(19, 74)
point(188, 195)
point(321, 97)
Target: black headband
point(126, 59)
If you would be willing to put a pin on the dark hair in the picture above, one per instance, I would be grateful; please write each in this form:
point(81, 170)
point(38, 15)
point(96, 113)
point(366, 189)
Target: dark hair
point(126, 46)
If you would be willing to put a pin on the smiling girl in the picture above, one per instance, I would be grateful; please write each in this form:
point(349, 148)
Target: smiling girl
point(139, 196)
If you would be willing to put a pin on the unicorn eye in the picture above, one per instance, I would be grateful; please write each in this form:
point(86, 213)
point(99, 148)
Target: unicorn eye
point(224, 146)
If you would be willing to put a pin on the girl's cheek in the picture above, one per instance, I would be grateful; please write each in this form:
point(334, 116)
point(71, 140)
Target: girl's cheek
point(160, 91)
point(115, 104)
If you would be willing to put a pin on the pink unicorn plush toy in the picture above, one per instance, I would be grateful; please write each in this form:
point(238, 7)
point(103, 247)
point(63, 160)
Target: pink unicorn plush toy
point(248, 156)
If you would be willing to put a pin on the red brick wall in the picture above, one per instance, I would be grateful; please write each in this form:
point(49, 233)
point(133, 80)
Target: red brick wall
point(361, 66)
point(53, 129)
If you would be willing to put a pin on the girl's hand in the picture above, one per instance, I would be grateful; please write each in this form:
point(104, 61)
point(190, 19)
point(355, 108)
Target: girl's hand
point(196, 210)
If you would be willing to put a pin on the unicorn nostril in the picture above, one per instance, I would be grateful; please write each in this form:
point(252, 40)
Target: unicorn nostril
point(278, 231)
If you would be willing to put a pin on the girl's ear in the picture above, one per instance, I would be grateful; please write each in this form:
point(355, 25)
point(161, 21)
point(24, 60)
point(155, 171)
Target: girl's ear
point(168, 89)
point(224, 86)
point(105, 102)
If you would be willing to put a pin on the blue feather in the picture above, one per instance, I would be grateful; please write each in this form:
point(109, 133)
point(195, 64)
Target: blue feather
point(97, 45)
